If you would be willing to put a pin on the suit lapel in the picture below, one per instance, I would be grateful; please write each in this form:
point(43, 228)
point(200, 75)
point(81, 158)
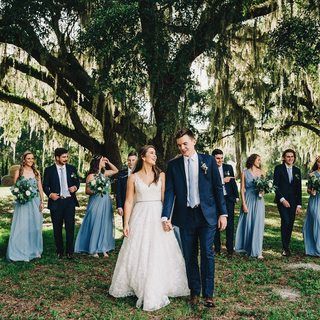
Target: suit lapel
point(183, 171)
point(56, 176)
point(68, 175)
point(200, 174)
point(286, 172)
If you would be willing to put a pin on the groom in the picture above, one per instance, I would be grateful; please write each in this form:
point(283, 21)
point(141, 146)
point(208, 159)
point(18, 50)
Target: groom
point(194, 191)
point(60, 184)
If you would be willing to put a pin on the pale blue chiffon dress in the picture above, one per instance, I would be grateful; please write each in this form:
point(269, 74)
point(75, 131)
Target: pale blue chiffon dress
point(96, 234)
point(25, 242)
point(250, 230)
point(311, 228)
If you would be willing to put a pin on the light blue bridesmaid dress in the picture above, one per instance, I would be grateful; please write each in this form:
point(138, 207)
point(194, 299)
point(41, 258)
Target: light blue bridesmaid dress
point(249, 235)
point(311, 228)
point(25, 242)
point(96, 234)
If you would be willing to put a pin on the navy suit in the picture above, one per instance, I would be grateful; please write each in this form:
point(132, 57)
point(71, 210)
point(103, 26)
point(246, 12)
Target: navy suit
point(62, 210)
point(292, 192)
point(198, 224)
point(122, 189)
point(230, 199)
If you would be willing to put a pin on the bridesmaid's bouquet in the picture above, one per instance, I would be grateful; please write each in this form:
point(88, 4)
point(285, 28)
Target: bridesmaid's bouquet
point(24, 190)
point(263, 185)
point(313, 182)
point(100, 185)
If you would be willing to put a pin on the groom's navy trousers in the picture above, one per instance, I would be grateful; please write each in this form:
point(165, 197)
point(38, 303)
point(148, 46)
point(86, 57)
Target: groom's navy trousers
point(198, 230)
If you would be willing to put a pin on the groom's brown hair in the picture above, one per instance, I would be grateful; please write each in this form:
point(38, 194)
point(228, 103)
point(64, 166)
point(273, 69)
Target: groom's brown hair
point(182, 132)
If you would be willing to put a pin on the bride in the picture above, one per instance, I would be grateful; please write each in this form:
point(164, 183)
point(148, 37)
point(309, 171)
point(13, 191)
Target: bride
point(150, 264)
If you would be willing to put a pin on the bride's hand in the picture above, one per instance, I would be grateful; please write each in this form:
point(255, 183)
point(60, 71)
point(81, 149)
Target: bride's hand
point(126, 230)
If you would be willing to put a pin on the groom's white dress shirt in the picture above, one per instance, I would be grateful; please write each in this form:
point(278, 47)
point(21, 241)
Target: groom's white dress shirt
point(194, 166)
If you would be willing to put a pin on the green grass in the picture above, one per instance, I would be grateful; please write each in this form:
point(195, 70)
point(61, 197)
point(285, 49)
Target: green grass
point(60, 289)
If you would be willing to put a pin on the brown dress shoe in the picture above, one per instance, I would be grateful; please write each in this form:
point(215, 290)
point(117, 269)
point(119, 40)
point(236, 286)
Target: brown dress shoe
point(208, 302)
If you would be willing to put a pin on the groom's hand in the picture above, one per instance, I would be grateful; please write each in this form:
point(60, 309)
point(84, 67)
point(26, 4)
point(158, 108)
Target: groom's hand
point(166, 225)
point(222, 223)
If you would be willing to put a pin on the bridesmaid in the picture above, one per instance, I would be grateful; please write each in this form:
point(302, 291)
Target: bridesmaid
point(311, 228)
point(249, 235)
point(96, 234)
point(25, 242)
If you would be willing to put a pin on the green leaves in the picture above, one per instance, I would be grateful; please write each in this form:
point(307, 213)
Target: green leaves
point(298, 39)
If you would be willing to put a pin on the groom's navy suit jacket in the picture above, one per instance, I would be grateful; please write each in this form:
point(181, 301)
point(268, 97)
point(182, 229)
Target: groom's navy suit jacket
point(210, 190)
point(290, 191)
point(51, 183)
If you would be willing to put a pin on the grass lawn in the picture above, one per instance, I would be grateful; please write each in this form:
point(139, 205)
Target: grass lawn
point(245, 288)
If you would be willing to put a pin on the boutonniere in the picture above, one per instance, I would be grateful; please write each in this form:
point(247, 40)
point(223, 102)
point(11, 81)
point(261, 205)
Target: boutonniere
point(204, 167)
point(297, 176)
point(73, 175)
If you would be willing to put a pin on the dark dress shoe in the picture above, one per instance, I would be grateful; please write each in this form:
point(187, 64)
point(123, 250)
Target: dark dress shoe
point(286, 253)
point(208, 302)
point(230, 253)
point(194, 300)
point(59, 255)
point(70, 256)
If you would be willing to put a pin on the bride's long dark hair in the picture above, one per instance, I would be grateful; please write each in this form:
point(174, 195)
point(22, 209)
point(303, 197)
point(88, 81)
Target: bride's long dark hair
point(142, 153)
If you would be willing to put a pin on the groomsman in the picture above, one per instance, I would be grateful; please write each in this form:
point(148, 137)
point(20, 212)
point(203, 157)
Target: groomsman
point(60, 183)
point(287, 181)
point(122, 182)
point(194, 196)
point(231, 196)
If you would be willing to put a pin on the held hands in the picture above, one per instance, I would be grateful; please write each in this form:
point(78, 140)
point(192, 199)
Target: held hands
point(167, 226)
point(222, 223)
point(120, 212)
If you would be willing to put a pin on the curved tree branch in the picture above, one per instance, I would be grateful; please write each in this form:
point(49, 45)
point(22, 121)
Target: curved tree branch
point(85, 140)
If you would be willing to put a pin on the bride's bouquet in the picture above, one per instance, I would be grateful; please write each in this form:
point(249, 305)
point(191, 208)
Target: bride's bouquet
point(263, 185)
point(313, 182)
point(100, 185)
point(24, 190)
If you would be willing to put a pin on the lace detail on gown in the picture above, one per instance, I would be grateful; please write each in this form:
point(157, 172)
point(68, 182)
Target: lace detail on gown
point(150, 264)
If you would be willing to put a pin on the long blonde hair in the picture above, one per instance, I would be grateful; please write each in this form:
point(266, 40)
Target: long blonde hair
point(23, 162)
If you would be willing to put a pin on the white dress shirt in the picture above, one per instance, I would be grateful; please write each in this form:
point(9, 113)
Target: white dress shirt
point(64, 189)
point(194, 164)
point(222, 181)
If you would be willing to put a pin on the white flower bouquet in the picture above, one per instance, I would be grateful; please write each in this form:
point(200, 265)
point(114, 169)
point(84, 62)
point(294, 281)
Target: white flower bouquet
point(24, 190)
point(100, 185)
point(313, 182)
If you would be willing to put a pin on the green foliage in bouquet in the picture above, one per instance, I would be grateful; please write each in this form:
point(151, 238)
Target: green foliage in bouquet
point(263, 185)
point(100, 185)
point(313, 182)
point(24, 190)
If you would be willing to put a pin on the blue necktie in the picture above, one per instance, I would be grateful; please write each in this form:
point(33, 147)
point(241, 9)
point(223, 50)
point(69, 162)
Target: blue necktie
point(63, 183)
point(192, 184)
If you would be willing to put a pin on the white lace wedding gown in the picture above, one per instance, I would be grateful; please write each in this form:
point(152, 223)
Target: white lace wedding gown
point(150, 264)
